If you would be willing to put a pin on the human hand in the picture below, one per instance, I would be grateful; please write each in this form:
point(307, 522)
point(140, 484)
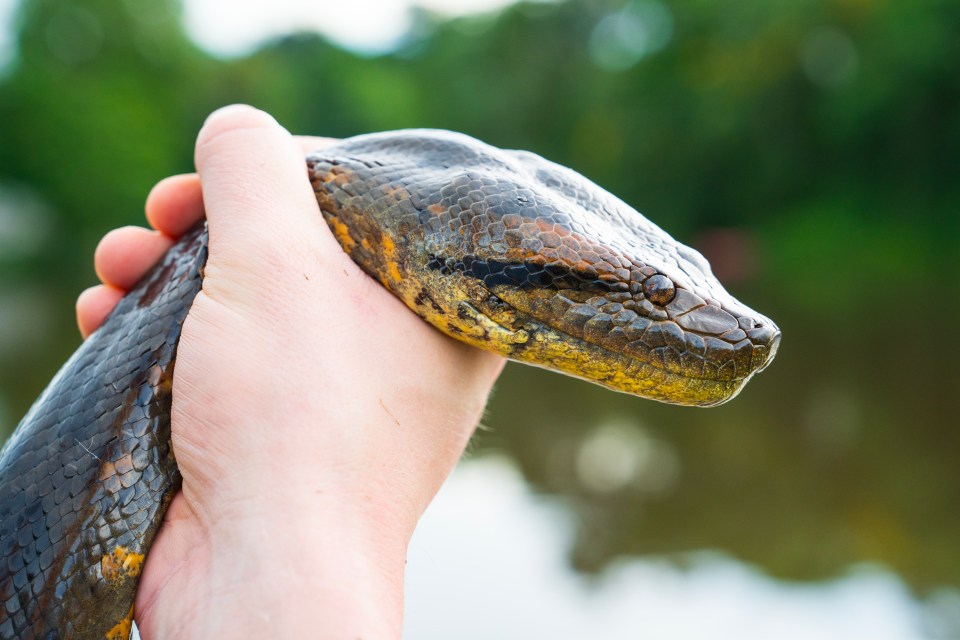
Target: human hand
point(314, 416)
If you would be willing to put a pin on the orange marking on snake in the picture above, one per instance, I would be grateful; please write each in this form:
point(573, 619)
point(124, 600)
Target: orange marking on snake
point(121, 564)
point(389, 253)
point(121, 630)
point(342, 232)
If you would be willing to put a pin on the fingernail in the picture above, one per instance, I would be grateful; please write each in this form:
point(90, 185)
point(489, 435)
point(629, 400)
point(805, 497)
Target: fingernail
point(234, 116)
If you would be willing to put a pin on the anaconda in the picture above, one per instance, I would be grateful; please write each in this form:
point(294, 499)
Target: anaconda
point(500, 249)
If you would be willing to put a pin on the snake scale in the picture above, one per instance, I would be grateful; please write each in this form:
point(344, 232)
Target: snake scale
point(500, 249)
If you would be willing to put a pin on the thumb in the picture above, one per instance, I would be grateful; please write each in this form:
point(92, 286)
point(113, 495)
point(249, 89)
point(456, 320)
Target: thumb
point(256, 190)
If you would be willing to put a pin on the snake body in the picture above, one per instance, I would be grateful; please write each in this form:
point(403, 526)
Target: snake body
point(500, 249)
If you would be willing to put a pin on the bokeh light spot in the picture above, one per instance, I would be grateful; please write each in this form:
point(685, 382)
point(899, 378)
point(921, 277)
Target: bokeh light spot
point(25, 222)
point(618, 455)
point(620, 40)
point(829, 57)
point(74, 35)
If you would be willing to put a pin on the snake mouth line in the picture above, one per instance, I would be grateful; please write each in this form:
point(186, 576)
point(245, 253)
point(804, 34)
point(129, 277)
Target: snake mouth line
point(620, 350)
point(615, 355)
point(628, 372)
point(521, 336)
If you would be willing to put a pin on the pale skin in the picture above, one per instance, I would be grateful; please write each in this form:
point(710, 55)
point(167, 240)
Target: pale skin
point(314, 416)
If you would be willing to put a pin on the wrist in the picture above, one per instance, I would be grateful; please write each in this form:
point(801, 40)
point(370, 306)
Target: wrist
point(309, 573)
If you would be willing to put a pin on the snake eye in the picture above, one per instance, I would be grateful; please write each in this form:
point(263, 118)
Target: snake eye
point(659, 289)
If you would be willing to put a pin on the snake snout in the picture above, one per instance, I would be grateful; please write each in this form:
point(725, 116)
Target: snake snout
point(732, 342)
point(772, 341)
point(764, 335)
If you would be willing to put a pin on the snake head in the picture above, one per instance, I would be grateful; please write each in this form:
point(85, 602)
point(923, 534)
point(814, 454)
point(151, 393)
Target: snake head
point(638, 330)
point(512, 253)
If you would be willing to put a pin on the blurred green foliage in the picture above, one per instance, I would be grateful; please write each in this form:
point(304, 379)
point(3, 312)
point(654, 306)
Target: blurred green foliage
point(820, 137)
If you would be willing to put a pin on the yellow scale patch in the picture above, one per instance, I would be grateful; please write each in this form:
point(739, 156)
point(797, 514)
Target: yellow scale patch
point(121, 564)
point(390, 257)
point(121, 631)
point(342, 232)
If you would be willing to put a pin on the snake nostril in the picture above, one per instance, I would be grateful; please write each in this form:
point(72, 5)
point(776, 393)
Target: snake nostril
point(762, 335)
point(659, 289)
